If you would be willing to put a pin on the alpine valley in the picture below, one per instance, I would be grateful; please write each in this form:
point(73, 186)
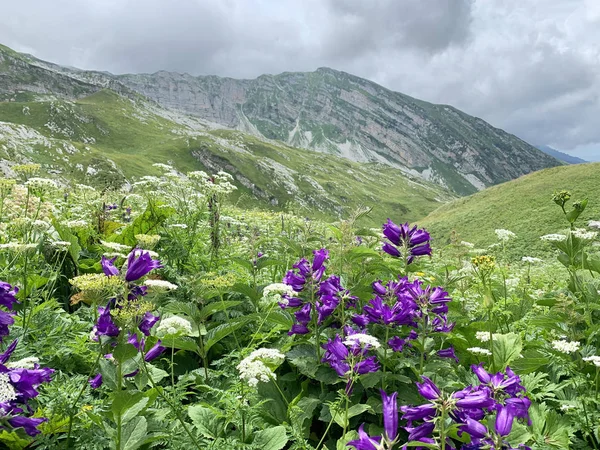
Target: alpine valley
point(320, 143)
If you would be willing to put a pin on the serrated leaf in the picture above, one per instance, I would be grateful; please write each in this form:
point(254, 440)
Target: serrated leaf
point(343, 419)
point(205, 421)
point(212, 308)
point(128, 405)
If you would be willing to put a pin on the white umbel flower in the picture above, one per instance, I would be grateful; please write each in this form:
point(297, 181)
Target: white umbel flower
point(116, 246)
point(482, 336)
point(273, 293)
point(467, 244)
point(530, 259)
point(583, 234)
point(504, 235)
point(480, 351)
point(7, 390)
point(362, 339)
point(555, 237)
point(161, 285)
point(174, 326)
point(595, 360)
point(25, 363)
point(594, 224)
point(257, 366)
point(565, 346)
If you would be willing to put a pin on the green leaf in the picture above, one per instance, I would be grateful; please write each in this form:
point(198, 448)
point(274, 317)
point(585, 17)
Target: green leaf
point(157, 374)
point(66, 235)
point(146, 223)
point(134, 434)
point(109, 373)
point(205, 421)
point(532, 360)
point(128, 405)
point(219, 332)
point(273, 438)
point(212, 308)
point(303, 411)
point(421, 444)
point(507, 347)
point(261, 263)
point(13, 440)
point(124, 351)
point(341, 416)
point(182, 343)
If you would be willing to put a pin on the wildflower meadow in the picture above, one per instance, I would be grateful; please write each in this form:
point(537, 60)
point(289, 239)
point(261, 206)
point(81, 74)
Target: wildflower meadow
point(164, 316)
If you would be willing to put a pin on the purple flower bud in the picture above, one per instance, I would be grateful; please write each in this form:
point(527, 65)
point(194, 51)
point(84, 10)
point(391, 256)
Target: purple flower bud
point(428, 389)
point(96, 382)
point(298, 328)
point(420, 432)
point(391, 250)
point(447, 353)
point(154, 352)
point(7, 295)
point(140, 263)
point(481, 373)
point(396, 344)
point(390, 415)
point(105, 325)
point(364, 442)
point(29, 424)
point(474, 428)
point(320, 257)
point(420, 412)
point(504, 420)
point(4, 357)
point(108, 266)
point(148, 321)
point(379, 288)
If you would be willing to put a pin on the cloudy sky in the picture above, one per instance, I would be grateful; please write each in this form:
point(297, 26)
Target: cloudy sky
point(531, 67)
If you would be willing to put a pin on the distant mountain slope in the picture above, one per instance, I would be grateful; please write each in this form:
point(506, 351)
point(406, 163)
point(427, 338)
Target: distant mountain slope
point(109, 139)
point(560, 155)
point(523, 206)
point(338, 113)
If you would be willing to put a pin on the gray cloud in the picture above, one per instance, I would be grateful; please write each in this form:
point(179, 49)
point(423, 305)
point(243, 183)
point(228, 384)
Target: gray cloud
point(527, 66)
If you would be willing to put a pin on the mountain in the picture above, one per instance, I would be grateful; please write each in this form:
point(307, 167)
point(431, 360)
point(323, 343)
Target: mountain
point(338, 113)
point(560, 155)
point(331, 112)
point(89, 128)
point(523, 206)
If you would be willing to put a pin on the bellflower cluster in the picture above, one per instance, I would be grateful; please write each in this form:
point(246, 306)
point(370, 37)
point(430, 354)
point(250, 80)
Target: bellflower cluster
point(139, 264)
point(17, 386)
point(7, 299)
point(326, 294)
point(349, 357)
point(405, 242)
point(501, 394)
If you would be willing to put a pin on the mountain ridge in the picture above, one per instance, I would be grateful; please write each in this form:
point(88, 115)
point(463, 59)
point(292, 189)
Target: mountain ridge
point(336, 112)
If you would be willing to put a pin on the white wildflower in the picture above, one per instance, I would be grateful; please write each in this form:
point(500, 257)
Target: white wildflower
point(161, 285)
point(165, 167)
point(480, 351)
point(76, 224)
point(567, 407)
point(555, 237)
point(116, 246)
point(7, 390)
point(565, 346)
point(504, 235)
point(482, 336)
point(363, 340)
point(25, 363)
point(174, 326)
point(582, 233)
point(530, 259)
point(273, 293)
point(467, 244)
point(254, 369)
point(593, 359)
point(41, 185)
point(17, 246)
point(61, 245)
point(183, 226)
point(594, 224)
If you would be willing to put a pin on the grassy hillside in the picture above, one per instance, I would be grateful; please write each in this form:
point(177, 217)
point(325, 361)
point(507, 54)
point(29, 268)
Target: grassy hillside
point(523, 206)
point(106, 137)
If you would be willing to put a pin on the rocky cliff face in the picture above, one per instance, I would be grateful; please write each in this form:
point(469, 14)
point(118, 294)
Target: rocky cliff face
point(334, 112)
point(326, 110)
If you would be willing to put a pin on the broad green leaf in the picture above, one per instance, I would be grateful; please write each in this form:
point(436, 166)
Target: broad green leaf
point(303, 411)
point(124, 351)
point(507, 347)
point(134, 434)
point(66, 235)
point(128, 405)
point(212, 308)
point(218, 333)
point(182, 343)
point(273, 438)
point(109, 373)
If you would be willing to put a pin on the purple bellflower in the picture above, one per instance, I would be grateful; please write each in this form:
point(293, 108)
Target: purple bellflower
point(405, 242)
